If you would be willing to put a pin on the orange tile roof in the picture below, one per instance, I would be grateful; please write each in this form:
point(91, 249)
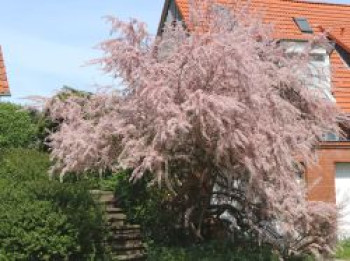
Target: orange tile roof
point(331, 18)
point(4, 86)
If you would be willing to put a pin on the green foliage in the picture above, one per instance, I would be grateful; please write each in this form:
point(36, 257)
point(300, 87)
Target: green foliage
point(42, 219)
point(34, 230)
point(215, 250)
point(146, 205)
point(68, 91)
point(24, 165)
point(44, 126)
point(343, 249)
point(17, 128)
point(74, 201)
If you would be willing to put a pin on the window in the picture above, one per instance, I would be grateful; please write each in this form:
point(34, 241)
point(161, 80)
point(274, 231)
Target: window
point(333, 137)
point(330, 137)
point(300, 173)
point(303, 25)
point(318, 74)
point(316, 57)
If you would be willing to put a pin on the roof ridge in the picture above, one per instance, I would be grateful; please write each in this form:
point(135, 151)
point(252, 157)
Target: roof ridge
point(316, 2)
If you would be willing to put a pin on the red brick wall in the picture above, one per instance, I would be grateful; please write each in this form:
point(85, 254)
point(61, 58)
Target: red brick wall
point(321, 178)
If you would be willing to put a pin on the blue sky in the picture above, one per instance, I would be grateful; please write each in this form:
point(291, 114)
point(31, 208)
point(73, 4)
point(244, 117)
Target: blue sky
point(46, 42)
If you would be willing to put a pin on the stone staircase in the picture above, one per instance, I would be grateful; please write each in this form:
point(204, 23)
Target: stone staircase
point(123, 240)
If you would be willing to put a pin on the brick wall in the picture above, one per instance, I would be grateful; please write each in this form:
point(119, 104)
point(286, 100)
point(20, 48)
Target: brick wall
point(321, 178)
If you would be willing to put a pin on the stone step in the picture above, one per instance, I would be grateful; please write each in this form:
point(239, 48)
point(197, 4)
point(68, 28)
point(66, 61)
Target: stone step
point(107, 200)
point(102, 195)
point(126, 228)
point(113, 210)
point(116, 224)
point(115, 216)
point(125, 245)
point(109, 204)
point(96, 192)
point(119, 251)
point(125, 237)
point(131, 257)
point(128, 246)
point(116, 220)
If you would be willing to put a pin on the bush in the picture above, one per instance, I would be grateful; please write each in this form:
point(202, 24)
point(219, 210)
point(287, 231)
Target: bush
point(215, 250)
point(218, 251)
point(24, 165)
point(42, 219)
point(44, 126)
point(34, 230)
point(17, 128)
point(343, 249)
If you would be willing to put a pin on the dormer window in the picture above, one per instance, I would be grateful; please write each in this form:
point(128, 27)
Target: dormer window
point(318, 74)
point(303, 25)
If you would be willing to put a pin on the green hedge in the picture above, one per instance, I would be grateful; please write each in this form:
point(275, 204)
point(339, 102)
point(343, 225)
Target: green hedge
point(33, 230)
point(17, 128)
point(42, 219)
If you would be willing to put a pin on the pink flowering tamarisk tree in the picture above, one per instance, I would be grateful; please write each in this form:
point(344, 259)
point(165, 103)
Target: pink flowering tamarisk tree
point(216, 111)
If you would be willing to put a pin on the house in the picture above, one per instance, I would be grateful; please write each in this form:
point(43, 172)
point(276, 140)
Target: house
point(4, 86)
point(296, 22)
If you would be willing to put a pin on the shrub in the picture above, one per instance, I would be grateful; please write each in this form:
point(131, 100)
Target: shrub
point(44, 126)
point(218, 251)
point(42, 219)
point(343, 249)
point(215, 250)
point(34, 230)
point(24, 165)
point(74, 201)
point(17, 128)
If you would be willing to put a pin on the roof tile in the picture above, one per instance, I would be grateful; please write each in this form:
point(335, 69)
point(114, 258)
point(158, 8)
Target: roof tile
point(4, 86)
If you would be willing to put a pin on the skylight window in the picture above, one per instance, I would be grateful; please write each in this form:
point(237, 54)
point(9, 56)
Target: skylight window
point(303, 25)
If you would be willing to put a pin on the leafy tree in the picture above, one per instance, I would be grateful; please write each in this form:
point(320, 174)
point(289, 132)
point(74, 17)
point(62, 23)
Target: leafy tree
point(17, 128)
point(220, 114)
point(44, 124)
